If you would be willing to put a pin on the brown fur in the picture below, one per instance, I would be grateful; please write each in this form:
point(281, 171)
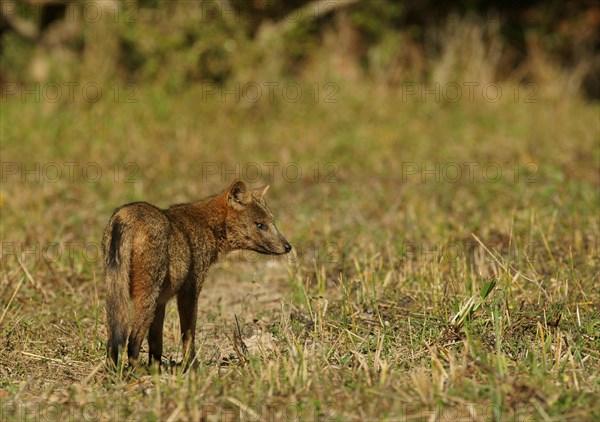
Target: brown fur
point(152, 255)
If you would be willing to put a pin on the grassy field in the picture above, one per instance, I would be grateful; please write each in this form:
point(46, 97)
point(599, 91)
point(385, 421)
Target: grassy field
point(445, 266)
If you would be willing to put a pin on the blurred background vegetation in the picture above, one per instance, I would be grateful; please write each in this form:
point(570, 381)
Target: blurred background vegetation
point(389, 42)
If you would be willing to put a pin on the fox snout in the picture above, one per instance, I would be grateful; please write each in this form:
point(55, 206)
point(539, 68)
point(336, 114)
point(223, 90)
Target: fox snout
point(282, 250)
point(281, 246)
point(271, 242)
point(287, 248)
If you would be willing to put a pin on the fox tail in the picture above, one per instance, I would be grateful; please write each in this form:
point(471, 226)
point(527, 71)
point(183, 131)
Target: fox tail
point(117, 257)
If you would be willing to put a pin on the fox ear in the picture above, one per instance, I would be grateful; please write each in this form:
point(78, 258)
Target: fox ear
point(260, 192)
point(237, 195)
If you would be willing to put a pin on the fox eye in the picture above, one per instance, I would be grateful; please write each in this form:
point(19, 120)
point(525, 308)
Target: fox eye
point(261, 226)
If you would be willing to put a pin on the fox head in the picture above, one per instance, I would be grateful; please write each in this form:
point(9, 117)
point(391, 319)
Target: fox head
point(250, 224)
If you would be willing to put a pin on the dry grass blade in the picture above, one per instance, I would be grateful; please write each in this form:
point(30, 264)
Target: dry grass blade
point(244, 408)
point(240, 348)
point(92, 373)
point(34, 283)
point(10, 300)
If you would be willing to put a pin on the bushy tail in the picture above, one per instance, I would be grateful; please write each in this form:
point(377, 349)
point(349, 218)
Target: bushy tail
point(117, 257)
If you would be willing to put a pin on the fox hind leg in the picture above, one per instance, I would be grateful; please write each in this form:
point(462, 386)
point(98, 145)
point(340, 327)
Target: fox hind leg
point(155, 335)
point(147, 279)
point(144, 315)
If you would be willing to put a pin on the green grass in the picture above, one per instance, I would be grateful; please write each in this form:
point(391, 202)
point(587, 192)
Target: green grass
point(372, 319)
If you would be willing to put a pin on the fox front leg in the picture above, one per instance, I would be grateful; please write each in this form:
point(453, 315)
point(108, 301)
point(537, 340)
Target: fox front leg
point(187, 304)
